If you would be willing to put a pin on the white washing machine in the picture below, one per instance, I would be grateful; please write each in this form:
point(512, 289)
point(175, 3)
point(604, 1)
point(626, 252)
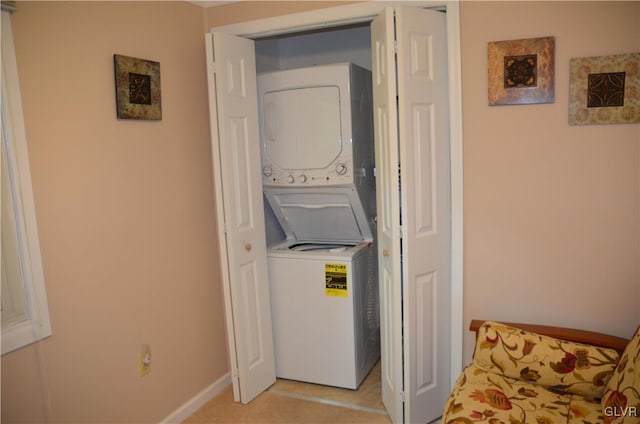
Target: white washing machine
point(317, 156)
point(324, 287)
point(324, 312)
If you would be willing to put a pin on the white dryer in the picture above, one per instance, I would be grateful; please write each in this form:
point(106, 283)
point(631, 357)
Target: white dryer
point(316, 126)
point(317, 155)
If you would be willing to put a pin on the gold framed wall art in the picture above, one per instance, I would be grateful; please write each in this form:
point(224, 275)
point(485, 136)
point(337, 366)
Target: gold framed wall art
point(604, 90)
point(137, 88)
point(521, 71)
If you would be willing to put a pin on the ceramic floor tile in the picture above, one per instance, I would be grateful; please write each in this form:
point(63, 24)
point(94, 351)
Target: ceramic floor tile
point(369, 394)
point(273, 408)
point(295, 402)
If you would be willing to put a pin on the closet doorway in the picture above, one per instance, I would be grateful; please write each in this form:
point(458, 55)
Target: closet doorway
point(249, 334)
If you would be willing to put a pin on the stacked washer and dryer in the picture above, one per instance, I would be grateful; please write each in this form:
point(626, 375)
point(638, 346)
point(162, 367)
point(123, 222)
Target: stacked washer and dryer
point(318, 178)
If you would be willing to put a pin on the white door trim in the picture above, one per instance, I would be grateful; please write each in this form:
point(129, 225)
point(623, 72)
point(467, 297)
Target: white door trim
point(363, 12)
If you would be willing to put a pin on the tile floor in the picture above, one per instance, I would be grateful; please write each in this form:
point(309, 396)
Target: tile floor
point(290, 401)
point(295, 402)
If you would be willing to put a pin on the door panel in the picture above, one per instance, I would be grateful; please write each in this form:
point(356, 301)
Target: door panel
point(249, 295)
point(388, 203)
point(422, 115)
point(236, 151)
point(423, 112)
point(426, 294)
point(239, 144)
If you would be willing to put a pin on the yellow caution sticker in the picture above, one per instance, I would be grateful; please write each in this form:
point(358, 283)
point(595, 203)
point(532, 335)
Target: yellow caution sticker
point(335, 276)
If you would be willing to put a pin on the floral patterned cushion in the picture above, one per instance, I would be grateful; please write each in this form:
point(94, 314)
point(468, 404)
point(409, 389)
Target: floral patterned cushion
point(485, 397)
point(583, 411)
point(560, 366)
point(621, 399)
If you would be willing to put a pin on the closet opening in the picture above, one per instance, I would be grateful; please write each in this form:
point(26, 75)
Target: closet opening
point(306, 49)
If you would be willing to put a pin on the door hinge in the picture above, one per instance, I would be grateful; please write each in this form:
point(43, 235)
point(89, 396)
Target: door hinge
point(402, 396)
point(401, 229)
point(395, 46)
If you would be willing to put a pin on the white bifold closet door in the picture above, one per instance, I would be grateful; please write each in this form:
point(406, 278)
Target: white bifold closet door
point(411, 121)
point(236, 157)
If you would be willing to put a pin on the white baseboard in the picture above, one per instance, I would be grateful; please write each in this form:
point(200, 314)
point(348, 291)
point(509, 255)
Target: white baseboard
point(193, 404)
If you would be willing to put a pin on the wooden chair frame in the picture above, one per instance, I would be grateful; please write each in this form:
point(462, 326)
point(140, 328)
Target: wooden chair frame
point(569, 334)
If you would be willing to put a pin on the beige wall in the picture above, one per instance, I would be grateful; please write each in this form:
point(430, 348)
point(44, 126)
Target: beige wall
point(126, 217)
point(552, 219)
point(551, 211)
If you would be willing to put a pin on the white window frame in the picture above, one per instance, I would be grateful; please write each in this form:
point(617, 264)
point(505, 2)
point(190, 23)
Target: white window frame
point(36, 325)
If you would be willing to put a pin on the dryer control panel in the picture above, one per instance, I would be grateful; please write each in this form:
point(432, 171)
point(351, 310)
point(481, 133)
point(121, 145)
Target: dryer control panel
point(341, 174)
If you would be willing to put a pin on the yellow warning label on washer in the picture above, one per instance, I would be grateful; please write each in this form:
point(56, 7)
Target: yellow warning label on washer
point(335, 276)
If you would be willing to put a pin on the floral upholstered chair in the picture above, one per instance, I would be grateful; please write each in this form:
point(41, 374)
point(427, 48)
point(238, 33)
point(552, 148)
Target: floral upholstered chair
point(520, 376)
point(621, 399)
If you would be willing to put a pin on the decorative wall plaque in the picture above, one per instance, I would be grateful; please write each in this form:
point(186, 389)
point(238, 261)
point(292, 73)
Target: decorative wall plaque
point(521, 71)
point(137, 88)
point(604, 90)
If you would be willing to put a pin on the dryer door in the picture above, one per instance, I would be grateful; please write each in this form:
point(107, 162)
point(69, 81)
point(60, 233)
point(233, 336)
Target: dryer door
point(302, 127)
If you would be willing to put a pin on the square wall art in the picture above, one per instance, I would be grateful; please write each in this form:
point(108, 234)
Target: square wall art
point(604, 90)
point(137, 88)
point(521, 71)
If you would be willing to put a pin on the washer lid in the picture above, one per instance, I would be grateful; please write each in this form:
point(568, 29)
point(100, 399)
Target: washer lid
point(320, 215)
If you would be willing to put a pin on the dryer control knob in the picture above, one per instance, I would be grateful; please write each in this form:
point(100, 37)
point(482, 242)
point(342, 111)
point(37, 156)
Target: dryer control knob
point(267, 171)
point(290, 179)
point(341, 168)
point(302, 178)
